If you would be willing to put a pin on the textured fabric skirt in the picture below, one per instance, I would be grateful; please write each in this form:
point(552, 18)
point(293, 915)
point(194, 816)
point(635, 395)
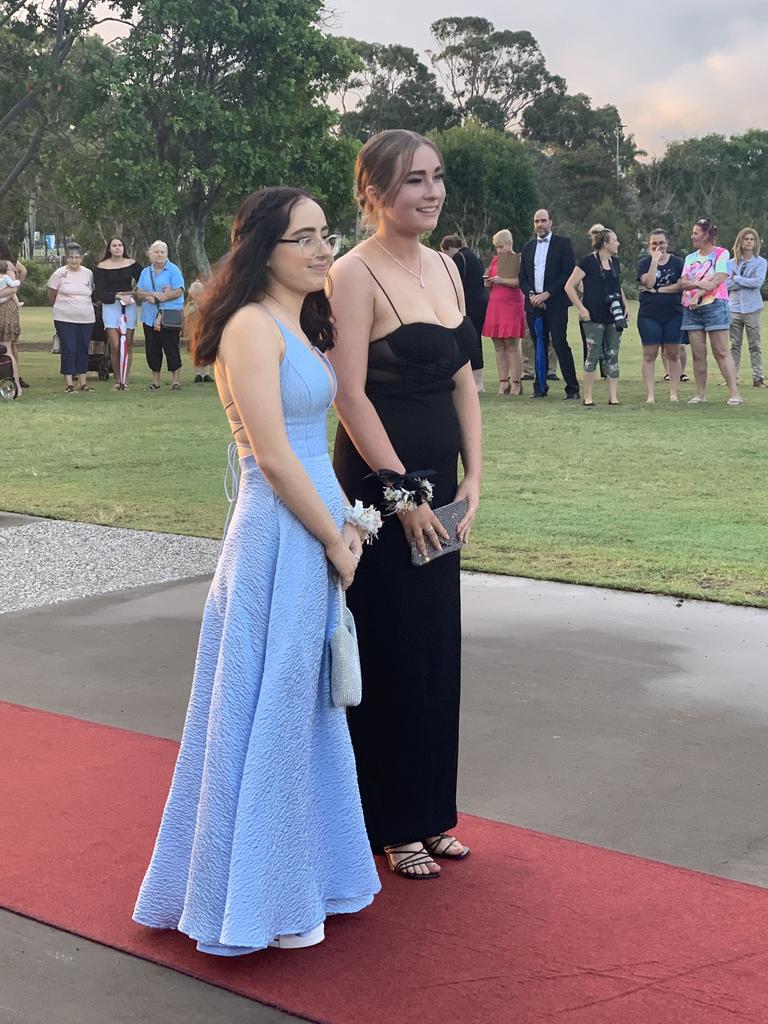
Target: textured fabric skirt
point(263, 830)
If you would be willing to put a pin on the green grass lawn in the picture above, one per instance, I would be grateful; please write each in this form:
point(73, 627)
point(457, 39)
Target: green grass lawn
point(667, 499)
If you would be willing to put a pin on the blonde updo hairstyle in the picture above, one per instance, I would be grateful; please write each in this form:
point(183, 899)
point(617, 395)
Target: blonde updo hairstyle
point(505, 235)
point(599, 234)
point(383, 164)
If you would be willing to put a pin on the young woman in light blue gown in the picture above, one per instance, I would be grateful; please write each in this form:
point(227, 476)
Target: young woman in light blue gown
point(263, 836)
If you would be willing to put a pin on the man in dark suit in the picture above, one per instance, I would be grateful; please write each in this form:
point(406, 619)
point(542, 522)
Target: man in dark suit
point(545, 266)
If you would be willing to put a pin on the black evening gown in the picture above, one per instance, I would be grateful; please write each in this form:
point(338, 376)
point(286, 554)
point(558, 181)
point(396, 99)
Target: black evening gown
point(405, 733)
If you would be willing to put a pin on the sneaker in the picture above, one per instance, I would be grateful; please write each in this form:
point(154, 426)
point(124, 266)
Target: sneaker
point(684, 378)
point(198, 378)
point(207, 379)
point(696, 400)
point(758, 382)
point(300, 941)
point(735, 401)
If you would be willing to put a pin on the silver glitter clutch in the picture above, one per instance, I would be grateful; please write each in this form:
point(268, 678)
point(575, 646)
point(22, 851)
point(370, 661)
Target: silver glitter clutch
point(450, 516)
point(346, 675)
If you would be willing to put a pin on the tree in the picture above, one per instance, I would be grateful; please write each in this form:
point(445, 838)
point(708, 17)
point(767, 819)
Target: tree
point(490, 184)
point(713, 176)
point(394, 89)
point(503, 69)
point(37, 44)
point(208, 101)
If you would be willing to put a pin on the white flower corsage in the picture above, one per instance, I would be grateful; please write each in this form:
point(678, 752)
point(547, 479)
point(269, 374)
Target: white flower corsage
point(365, 518)
point(399, 497)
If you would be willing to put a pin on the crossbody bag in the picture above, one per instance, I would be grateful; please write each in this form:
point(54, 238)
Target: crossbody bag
point(168, 318)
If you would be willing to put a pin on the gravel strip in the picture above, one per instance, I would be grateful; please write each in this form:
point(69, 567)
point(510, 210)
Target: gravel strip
point(48, 561)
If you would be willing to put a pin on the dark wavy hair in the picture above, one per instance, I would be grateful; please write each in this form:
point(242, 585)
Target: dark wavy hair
point(107, 254)
point(241, 276)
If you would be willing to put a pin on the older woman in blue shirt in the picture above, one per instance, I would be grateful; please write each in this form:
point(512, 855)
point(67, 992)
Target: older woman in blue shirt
point(160, 288)
point(746, 276)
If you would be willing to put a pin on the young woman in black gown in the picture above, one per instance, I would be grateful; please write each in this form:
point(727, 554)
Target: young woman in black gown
point(407, 401)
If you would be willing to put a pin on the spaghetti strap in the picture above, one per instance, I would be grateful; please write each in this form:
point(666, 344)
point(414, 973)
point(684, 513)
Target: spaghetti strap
point(445, 264)
point(378, 282)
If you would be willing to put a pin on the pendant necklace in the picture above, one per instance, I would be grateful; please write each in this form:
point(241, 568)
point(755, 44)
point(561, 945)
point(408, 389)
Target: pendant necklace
point(419, 277)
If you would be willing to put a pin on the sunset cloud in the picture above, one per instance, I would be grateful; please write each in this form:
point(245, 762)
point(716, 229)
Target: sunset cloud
point(671, 76)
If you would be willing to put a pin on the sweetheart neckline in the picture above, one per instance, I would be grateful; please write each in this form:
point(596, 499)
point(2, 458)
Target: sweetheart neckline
point(422, 323)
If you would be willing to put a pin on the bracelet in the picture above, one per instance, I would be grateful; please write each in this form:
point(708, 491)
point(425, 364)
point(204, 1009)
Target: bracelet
point(366, 519)
point(403, 492)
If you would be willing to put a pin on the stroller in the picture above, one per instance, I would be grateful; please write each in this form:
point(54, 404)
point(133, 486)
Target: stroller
point(8, 387)
point(99, 358)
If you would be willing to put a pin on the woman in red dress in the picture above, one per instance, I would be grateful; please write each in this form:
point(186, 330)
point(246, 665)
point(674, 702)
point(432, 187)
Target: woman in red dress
point(505, 320)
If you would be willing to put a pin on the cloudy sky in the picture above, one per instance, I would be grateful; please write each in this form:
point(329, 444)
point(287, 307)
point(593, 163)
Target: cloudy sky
point(671, 74)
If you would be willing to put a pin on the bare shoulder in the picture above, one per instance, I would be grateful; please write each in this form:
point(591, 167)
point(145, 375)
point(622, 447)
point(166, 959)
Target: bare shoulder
point(432, 256)
point(349, 269)
point(249, 333)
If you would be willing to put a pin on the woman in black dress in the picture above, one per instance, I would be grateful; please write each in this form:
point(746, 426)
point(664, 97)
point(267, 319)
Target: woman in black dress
point(475, 295)
point(407, 403)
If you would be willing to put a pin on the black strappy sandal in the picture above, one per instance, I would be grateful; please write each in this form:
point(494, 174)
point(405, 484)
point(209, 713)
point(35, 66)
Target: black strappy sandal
point(413, 860)
point(508, 388)
point(432, 847)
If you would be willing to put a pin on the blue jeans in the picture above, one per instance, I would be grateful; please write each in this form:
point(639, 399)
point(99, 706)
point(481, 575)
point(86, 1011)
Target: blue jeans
point(74, 340)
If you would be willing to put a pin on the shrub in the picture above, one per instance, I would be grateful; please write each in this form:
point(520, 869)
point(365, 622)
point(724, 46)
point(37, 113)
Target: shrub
point(34, 291)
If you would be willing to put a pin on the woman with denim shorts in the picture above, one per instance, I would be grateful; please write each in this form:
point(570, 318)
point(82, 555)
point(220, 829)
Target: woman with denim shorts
point(705, 309)
point(661, 315)
point(115, 278)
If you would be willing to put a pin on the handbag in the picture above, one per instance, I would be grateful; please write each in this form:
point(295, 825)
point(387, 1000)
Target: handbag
point(450, 516)
point(169, 318)
point(346, 674)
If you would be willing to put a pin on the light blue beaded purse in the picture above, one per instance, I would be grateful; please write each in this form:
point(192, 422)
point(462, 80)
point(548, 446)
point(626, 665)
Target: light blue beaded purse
point(346, 675)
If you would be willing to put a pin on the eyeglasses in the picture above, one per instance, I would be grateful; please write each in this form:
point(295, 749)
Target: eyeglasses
point(311, 247)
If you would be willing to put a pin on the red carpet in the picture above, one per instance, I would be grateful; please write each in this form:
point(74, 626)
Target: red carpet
point(531, 928)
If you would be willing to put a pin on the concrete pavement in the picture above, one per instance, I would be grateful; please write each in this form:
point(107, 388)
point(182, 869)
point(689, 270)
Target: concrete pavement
point(623, 720)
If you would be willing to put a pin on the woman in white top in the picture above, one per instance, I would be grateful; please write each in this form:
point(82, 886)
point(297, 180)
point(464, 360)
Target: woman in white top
point(70, 292)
